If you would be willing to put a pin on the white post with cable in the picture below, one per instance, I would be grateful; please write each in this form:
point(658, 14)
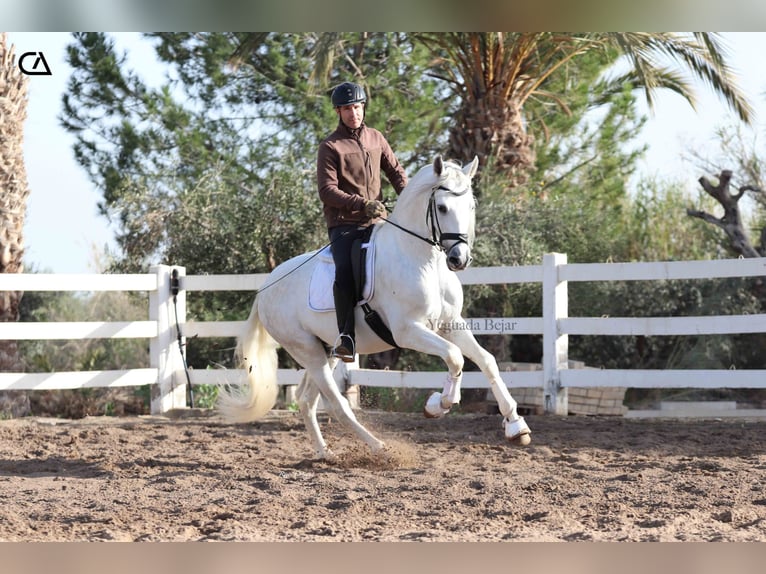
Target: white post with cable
point(170, 391)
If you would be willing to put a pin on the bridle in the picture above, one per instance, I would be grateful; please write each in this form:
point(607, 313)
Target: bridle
point(432, 218)
point(438, 237)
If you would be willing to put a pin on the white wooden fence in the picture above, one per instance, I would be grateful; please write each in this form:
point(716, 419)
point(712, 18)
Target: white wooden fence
point(166, 363)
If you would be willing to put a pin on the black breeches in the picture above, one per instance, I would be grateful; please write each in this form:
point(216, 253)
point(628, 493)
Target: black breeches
point(344, 291)
point(342, 238)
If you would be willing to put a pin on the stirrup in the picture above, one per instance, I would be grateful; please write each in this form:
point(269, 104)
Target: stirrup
point(344, 348)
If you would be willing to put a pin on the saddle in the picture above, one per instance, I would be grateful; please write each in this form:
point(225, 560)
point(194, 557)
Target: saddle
point(363, 266)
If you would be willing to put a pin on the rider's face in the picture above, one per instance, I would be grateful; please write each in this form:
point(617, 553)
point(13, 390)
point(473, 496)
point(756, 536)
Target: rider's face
point(351, 115)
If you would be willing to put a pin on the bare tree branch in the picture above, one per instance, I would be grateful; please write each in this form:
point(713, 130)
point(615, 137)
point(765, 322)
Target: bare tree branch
point(746, 188)
point(705, 216)
point(731, 221)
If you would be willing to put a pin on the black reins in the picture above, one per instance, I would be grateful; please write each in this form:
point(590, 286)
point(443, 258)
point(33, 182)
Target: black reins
point(432, 221)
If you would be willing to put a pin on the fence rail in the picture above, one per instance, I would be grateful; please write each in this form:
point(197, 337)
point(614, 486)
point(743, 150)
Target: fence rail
point(555, 326)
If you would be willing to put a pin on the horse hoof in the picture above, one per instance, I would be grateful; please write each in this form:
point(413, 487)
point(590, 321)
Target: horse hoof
point(433, 408)
point(428, 415)
point(521, 440)
point(327, 456)
point(517, 431)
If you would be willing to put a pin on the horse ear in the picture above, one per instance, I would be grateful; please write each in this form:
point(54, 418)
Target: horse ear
point(471, 169)
point(438, 165)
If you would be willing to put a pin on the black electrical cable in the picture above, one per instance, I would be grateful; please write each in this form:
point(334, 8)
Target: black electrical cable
point(174, 287)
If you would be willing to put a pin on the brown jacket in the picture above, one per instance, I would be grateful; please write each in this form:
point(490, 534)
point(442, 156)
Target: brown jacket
point(348, 173)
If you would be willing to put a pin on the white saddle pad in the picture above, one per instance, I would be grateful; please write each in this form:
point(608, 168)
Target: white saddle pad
point(323, 277)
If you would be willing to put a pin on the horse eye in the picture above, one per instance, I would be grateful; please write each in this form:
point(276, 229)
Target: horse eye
point(442, 208)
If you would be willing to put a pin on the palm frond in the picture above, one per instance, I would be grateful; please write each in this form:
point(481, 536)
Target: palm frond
point(701, 54)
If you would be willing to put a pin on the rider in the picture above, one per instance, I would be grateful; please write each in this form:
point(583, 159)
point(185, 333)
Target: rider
point(349, 163)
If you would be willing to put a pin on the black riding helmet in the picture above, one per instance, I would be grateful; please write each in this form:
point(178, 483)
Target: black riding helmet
point(348, 93)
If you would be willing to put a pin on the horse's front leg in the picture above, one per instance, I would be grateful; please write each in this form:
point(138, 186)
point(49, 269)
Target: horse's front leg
point(418, 338)
point(516, 429)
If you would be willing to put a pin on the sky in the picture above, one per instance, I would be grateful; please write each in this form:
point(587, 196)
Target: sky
point(64, 232)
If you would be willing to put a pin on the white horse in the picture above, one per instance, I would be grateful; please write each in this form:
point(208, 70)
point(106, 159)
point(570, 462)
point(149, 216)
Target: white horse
point(427, 237)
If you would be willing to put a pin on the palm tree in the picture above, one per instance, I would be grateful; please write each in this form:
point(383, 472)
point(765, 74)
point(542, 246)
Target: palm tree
point(494, 75)
point(13, 197)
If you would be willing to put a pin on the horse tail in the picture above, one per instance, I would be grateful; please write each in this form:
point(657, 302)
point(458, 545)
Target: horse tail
point(257, 354)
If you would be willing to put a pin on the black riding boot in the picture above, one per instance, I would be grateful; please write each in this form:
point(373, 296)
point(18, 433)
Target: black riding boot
point(345, 345)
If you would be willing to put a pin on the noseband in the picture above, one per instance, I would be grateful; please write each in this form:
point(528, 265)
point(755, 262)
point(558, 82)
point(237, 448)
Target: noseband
point(438, 237)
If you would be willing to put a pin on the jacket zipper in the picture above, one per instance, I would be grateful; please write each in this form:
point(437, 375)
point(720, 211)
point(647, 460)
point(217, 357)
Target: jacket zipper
point(366, 161)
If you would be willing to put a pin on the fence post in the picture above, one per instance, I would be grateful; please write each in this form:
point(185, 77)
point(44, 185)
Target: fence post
point(555, 345)
point(170, 390)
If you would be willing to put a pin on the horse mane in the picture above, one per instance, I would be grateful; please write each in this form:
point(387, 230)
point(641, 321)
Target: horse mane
point(427, 173)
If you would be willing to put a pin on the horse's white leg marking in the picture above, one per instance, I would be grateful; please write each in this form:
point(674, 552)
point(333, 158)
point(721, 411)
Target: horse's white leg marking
point(308, 398)
point(515, 426)
point(439, 404)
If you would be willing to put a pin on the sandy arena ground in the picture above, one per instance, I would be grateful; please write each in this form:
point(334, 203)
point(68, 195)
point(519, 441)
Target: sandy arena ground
point(454, 479)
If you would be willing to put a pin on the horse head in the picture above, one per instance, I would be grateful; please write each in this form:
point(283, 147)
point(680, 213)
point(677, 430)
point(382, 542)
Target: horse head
point(452, 211)
point(443, 190)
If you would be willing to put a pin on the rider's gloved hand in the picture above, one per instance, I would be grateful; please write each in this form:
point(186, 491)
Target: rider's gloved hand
point(374, 208)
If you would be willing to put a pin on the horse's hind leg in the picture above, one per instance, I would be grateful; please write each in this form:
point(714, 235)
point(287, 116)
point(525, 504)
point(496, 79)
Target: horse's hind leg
point(339, 406)
point(319, 377)
point(308, 398)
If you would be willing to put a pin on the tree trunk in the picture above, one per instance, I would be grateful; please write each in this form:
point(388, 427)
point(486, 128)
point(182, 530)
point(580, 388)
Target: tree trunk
point(494, 130)
point(731, 222)
point(13, 198)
